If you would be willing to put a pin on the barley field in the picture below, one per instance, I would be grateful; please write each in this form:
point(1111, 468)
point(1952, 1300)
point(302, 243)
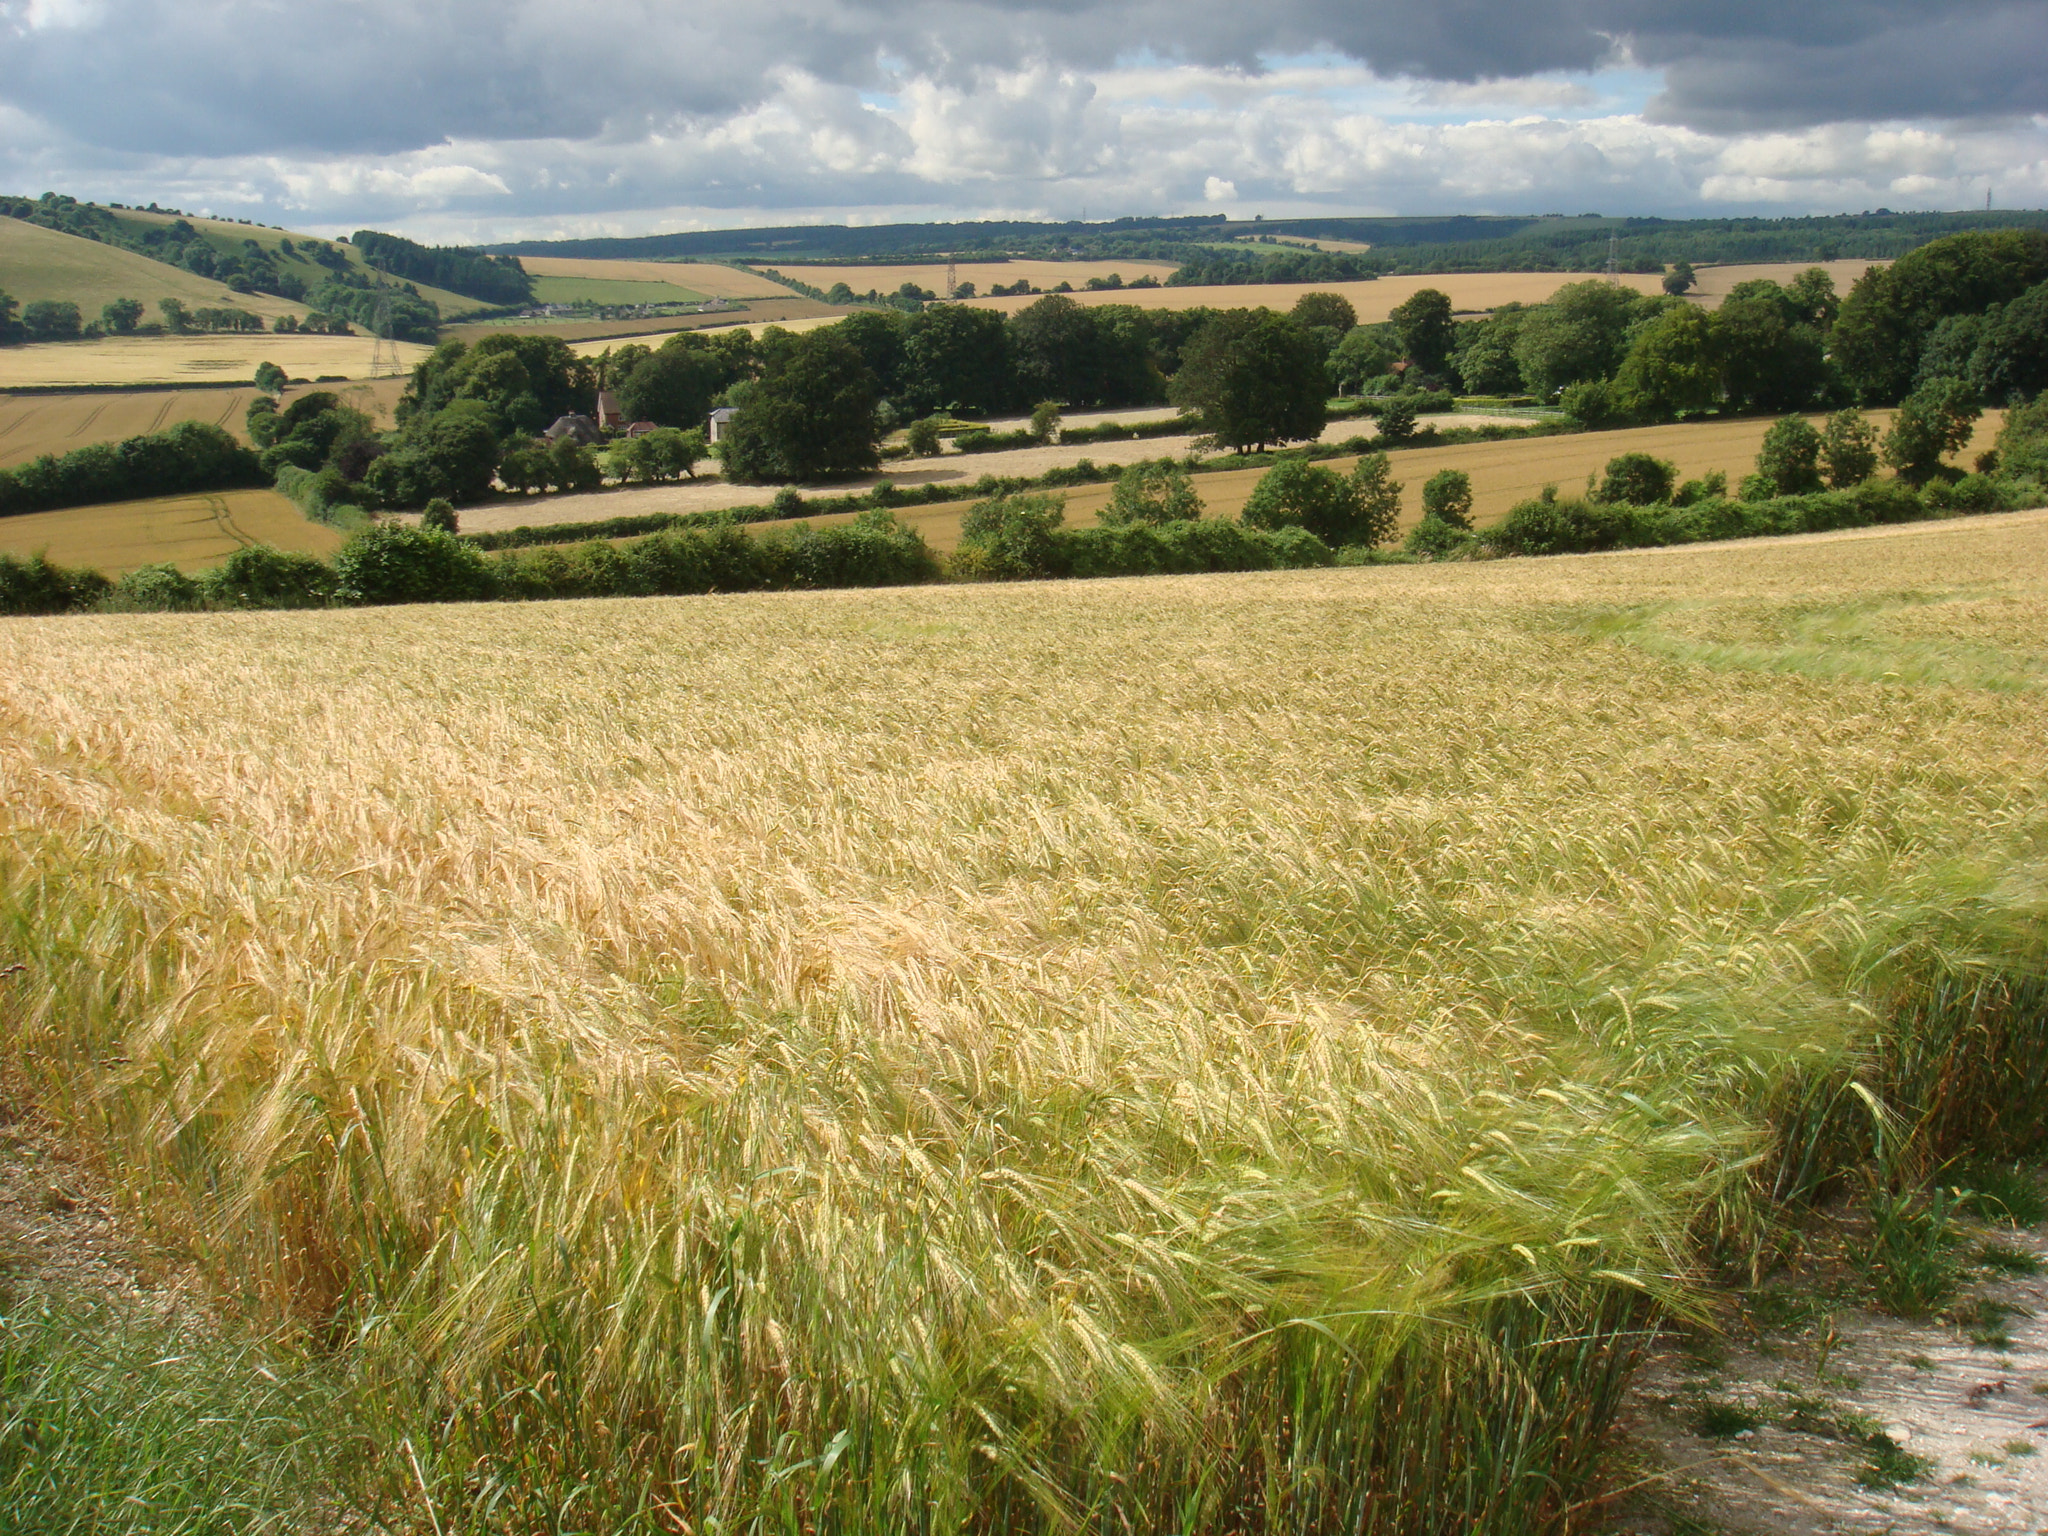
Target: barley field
point(1217, 1054)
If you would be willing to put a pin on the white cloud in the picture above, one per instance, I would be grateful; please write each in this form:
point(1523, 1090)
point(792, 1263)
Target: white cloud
point(1216, 190)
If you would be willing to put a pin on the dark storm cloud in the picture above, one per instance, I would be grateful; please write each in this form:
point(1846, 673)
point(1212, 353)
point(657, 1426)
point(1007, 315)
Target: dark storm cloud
point(354, 76)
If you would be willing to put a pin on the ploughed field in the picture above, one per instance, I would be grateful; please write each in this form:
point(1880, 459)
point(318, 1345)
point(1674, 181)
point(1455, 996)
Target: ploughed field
point(1217, 1054)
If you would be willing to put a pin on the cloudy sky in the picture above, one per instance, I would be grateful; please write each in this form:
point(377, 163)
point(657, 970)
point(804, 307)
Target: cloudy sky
point(455, 119)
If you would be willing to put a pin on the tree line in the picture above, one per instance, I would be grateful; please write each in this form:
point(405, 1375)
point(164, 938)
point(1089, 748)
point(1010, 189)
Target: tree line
point(1300, 514)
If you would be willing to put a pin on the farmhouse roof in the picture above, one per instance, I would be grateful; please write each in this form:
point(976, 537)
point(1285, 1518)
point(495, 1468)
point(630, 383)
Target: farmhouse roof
point(575, 425)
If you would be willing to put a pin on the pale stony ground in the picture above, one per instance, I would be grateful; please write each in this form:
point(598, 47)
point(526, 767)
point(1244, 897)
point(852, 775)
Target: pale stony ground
point(1808, 1354)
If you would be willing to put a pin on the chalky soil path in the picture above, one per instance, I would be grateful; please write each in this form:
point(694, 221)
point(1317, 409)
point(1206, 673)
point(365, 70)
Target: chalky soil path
point(1797, 1417)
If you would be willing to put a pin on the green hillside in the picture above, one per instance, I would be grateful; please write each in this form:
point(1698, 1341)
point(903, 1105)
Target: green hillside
point(38, 263)
point(287, 250)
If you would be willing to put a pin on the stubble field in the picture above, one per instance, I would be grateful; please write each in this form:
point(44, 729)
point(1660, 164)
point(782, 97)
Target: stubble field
point(1215, 1054)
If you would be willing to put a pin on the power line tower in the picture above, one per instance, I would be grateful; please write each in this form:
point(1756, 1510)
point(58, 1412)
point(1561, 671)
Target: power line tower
point(385, 362)
point(1613, 258)
point(952, 283)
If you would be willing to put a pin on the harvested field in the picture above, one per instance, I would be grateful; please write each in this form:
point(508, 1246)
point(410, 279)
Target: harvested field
point(698, 277)
point(190, 532)
point(983, 274)
point(31, 425)
point(1244, 1054)
point(1715, 283)
point(1470, 292)
point(174, 360)
point(38, 263)
point(793, 313)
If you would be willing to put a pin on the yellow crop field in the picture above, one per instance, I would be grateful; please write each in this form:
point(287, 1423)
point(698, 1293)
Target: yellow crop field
point(1236, 1054)
point(32, 425)
point(190, 532)
point(694, 277)
point(176, 360)
point(983, 274)
point(37, 263)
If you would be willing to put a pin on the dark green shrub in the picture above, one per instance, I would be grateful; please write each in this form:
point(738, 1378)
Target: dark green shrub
point(389, 563)
point(1711, 486)
point(874, 550)
point(1153, 491)
point(35, 585)
point(1637, 480)
point(1972, 493)
point(154, 589)
point(1790, 457)
point(1297, 494)
point(262, 577)
point(1848, 449)
point(1546, 525)
point(1010, 538)
point(440, 516)
point(1447, 497)
point(1440, 540)
point(1397, 421)
point(1593, 404)
point(787, 503)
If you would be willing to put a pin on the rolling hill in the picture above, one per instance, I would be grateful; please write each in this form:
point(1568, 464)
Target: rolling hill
point(38, 263)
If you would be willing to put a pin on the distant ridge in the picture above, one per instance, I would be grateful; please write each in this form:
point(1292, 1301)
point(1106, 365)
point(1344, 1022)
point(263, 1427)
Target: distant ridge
point(1400, 244)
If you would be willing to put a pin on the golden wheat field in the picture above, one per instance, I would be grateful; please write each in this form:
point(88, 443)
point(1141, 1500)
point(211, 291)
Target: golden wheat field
point(190, 532)
point(175, 360)
point(1218, 1054)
